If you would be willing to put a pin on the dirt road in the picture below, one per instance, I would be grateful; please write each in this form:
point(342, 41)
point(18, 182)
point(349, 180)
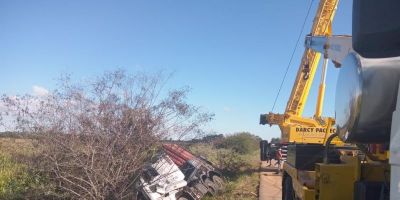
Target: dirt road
point(270, 183)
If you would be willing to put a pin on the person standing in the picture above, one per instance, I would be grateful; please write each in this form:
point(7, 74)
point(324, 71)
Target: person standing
point(278, 158)
point(269, 156)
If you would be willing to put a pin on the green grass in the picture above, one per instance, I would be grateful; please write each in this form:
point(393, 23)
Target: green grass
point(243, 187)
point(17, 180)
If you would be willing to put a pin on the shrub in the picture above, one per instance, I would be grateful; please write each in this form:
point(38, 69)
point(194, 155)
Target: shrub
point(230, 162)
point(243, 143)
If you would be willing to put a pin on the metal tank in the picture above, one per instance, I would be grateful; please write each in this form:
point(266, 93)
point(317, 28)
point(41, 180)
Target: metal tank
point(366, 94)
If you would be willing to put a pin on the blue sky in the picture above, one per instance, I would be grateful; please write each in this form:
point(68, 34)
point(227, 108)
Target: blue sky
point(232, 53)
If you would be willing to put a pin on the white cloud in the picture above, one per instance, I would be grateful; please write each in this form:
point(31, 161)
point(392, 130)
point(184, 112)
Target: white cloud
point(39, 91)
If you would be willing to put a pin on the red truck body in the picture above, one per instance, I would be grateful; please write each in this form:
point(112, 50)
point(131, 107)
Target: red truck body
point(178, 154)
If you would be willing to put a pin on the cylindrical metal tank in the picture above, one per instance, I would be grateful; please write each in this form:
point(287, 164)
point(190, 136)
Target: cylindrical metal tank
point(366, 94)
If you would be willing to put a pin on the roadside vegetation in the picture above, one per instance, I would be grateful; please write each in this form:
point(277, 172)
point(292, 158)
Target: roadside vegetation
point(237, 156)
point(89, 140)
point(63, 145)
point(14, 178)
point(240, 168)
point(18, 180)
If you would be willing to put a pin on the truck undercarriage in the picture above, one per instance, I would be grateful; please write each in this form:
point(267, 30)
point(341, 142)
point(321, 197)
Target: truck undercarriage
point(179, 175)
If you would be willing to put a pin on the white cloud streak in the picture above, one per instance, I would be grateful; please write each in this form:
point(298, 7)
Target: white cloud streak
point(39, 91)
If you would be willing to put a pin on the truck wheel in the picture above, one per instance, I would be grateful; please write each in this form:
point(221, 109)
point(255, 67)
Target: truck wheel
point(184, 196)
point(219, 182)
point(212, 187)
point(287, 188)
point(140, 196)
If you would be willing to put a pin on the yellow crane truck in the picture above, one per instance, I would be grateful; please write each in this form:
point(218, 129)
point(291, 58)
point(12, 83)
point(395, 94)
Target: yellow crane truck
point(346, 157)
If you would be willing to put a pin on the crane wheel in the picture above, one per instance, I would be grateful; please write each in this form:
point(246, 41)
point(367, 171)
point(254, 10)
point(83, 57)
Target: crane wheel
point(287, 188)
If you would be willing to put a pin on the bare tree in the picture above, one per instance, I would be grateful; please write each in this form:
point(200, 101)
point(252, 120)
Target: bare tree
point(95, 136)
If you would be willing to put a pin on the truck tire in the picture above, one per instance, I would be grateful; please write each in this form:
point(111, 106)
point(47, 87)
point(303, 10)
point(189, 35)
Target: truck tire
point(219, 182)
point(212, 187)
point(287, 188)
point(140, 196)
point(184, 196)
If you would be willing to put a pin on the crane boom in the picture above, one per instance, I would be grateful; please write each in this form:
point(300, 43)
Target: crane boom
point(309, 62)
point(294, 127)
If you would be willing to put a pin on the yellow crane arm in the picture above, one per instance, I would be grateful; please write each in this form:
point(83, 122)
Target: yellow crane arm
point(309, 62)
point(308, 67)
point(291, 123)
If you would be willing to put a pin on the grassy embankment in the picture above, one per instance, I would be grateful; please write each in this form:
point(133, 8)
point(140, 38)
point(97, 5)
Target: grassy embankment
point(239, 168)
point(16, 180)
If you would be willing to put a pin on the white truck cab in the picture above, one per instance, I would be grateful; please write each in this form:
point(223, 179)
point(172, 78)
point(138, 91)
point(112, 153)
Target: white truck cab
point(161, 180)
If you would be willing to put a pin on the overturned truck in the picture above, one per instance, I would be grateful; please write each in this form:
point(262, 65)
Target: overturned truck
point(178, 175)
